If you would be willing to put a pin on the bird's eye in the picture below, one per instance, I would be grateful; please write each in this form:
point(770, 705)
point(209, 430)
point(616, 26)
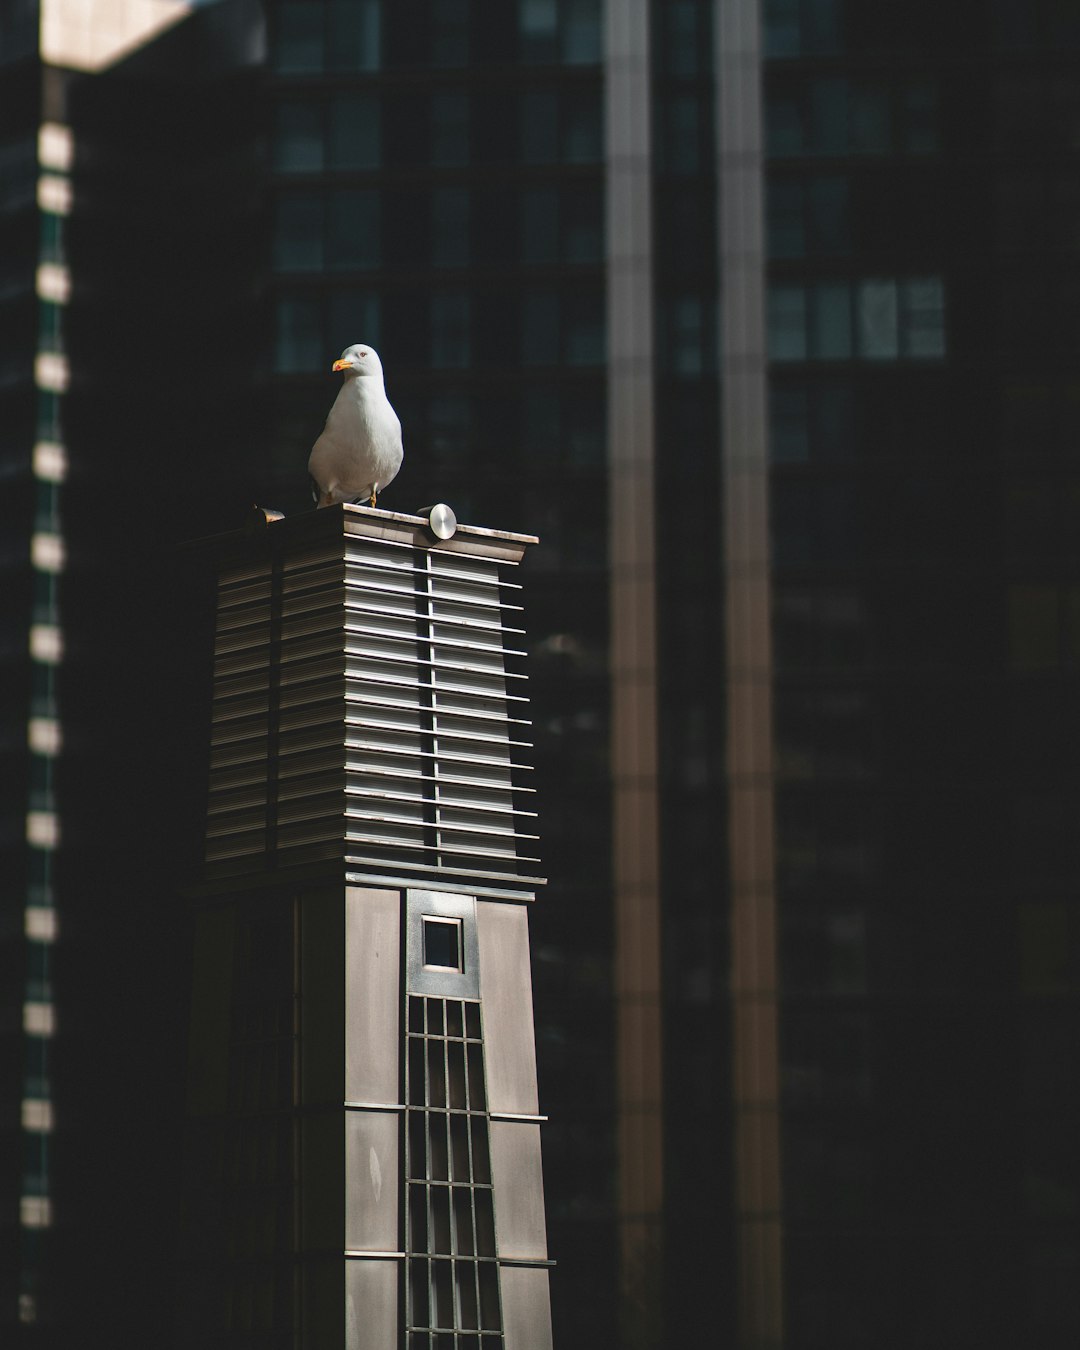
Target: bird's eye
point(363, 353)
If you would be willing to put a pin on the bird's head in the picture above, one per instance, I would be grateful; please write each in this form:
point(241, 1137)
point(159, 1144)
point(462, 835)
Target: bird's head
point(359, 359)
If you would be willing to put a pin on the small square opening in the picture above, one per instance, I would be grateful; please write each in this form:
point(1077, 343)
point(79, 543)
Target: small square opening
point(442, 944)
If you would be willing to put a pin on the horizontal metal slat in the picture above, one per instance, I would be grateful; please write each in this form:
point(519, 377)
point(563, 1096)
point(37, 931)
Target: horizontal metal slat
point(358, 860)
point(359, 838)
point(426, 620)
point(383, 679)
point(384, 818)
point(428, 639)
point(440, 710)
point(377, 564)
point(373, 748)
point(437, 733)
point(456, 780)
point(373, 588)
point(436, 802)
point(408, 660)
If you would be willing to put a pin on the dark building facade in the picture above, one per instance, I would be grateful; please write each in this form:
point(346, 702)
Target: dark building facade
point(761, 315)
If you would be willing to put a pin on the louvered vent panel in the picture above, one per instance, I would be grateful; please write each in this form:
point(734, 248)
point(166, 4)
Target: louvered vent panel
point(240, 718)
point(436, 743)
point(277, 760)
point(369, 704)
point(310, 757)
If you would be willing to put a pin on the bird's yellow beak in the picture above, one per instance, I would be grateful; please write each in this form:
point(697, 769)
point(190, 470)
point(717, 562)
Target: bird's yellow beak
point(343, 364)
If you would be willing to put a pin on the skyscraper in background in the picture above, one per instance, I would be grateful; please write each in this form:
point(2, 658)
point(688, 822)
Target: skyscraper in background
point(762, 315)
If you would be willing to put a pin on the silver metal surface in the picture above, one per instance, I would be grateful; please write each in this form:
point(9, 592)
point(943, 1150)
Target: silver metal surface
point(442, 983)
point(372, 1179)
point(506, 990)
point(526, 1308)
point(372, 994)
point(409, 643)
point(442, 521)
point(519, 1189)
point(372, 1296)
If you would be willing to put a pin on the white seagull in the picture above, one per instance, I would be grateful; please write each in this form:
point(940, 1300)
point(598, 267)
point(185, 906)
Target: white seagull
point(360, 450)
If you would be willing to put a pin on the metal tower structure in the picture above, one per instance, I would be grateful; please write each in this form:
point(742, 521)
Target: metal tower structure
point(364, 1163)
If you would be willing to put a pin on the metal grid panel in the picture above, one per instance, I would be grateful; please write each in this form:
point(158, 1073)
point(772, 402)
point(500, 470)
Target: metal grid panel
point(452, 1275)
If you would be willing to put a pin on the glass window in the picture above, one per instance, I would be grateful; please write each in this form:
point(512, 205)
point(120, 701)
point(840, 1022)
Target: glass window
point(923, 317)
point(540, 224)
point(355, 35)
point(820, 26)
point(782, 36)
point(442, 946)
point(583, 225)
point(355, 229)
point(789, 441)
point(450, 423)
point(921, 117)
point(585, 444)
point(540, 329)
point(299, 38)
point(683, 148)
point(829, 114)
point(299, 345)
point(298, 138)
point(787, 237)
point(830, 215)
point(540, 417)
point(449, 27)
point(783, 125)
point(354, 317)
point(830, 336)
point(582, 142)
point(450, 227)
point(832, 421)
point(538, 25)
point(298, 235)
point(449, 128)
point(49, 327)
point(355, 132)
point(450, 336)
point(581, 32)
point(787, 323)
point(584, 330)
point(52, 243)
point(539, 126)
point(871, 119)
point(684, 43)
point(686, 325)
point(878, 337)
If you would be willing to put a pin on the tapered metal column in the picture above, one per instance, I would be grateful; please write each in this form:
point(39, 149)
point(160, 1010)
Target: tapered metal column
point(363, 1163)
point(740, 177)
point(633, 669)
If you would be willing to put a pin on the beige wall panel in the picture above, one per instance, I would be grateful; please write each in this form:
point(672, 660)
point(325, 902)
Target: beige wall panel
point(506, 992)
point(371, 1181)
point(372, 995)
point(518, 1179)
point(371, 1304)
point(526, 1309)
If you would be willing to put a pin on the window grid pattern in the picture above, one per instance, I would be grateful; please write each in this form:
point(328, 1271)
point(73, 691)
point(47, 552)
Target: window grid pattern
point(452, 1280)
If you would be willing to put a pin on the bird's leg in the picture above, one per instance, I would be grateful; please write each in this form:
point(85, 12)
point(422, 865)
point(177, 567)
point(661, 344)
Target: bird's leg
point(372, 501)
